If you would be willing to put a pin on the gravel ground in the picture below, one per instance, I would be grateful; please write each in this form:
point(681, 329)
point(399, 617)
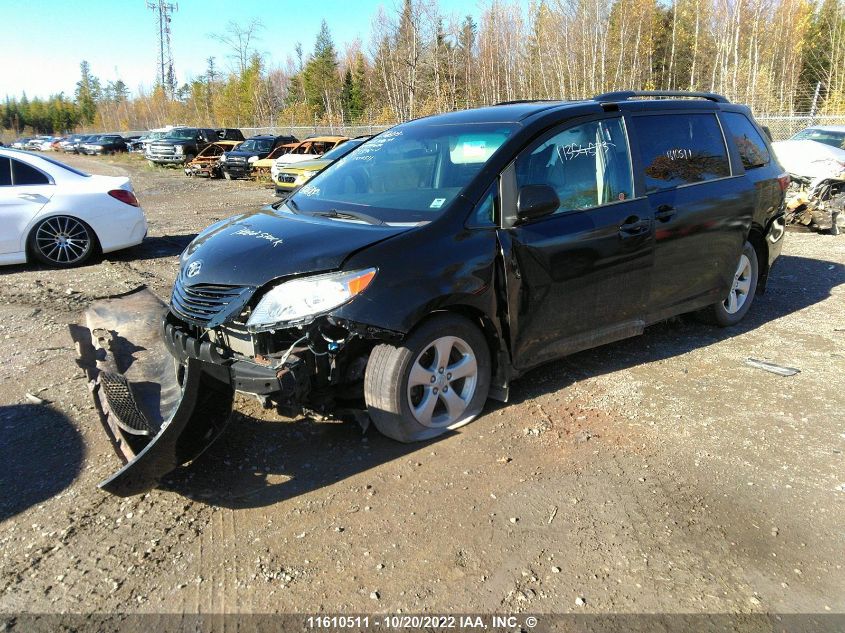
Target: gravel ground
point(659, 474)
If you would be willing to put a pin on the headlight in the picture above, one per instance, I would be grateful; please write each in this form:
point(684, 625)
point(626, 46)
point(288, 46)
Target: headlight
point(301, 299)
point(252, 159)
point(179, 149)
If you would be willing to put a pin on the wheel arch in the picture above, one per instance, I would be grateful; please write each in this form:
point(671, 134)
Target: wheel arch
point(500, 371)
point(757, 238)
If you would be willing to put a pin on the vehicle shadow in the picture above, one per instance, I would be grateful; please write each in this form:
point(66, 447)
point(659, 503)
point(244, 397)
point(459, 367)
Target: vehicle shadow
point(258, 463)
point(154, 247)
point(41, 453)
point(794, 283)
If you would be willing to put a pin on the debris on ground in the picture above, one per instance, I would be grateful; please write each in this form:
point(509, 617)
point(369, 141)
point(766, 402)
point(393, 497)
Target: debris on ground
point(780, 370)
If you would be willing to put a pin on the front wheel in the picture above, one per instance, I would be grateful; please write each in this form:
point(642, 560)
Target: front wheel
point(734, 307)
point(437, 380)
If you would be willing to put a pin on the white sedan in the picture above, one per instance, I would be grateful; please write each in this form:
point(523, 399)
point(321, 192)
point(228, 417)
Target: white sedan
point(61, 216)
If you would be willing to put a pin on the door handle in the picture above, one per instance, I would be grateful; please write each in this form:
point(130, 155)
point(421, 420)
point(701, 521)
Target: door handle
point(664, 212)
point(634, 227)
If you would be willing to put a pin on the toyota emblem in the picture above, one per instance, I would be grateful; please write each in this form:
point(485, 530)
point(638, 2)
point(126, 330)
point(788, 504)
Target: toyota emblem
point(193, 268)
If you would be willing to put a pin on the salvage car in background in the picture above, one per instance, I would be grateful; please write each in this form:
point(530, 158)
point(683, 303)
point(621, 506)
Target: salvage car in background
point(263, 166)
point(308, 149)
point(815, 160)
point(237, 163)
point(103, 144)
point(297, 174)
point(180, 145)
point(61, 216)
point(207, 163)
point(440, 260)
point(71, 145)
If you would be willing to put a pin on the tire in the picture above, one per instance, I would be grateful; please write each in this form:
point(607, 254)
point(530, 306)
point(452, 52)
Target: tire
point(62, 241)
point(732, 309)
point(399, 381)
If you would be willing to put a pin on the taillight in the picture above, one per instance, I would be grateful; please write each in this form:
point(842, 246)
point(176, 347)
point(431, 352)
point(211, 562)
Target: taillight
point(124, 196)
point(784, 181)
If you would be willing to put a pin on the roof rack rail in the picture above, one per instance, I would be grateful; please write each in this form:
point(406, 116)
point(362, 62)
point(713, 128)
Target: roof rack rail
point(624, 95)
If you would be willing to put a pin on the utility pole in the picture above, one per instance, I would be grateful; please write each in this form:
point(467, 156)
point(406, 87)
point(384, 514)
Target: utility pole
point(166, 76)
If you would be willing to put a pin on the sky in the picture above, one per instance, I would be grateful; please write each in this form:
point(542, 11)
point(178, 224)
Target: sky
point(43, 41)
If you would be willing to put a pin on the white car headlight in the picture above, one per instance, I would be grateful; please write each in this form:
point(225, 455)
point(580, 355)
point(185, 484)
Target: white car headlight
point(179, 149)
point(302, 299)
point(252, 159)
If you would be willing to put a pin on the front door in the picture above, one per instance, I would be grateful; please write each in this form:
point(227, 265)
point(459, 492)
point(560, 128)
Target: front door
point(579, 277)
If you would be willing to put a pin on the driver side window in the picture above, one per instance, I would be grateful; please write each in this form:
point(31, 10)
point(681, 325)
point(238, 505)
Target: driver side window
point(587, 165)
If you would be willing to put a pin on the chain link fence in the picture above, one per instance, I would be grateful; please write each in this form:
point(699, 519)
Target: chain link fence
point(784, 127)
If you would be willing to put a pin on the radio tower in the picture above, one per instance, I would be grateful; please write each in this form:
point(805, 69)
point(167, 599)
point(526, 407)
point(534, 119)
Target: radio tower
point(165, 52)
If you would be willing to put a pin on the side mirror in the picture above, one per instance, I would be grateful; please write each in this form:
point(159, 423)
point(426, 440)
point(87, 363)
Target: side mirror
point(536, 201)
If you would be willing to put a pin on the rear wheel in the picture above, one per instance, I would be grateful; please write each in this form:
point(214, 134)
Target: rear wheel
point(437, 380)
point(734, 307)
point(62, 241)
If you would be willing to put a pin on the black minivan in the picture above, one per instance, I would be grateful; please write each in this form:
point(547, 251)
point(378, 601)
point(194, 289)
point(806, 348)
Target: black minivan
point(423, 272)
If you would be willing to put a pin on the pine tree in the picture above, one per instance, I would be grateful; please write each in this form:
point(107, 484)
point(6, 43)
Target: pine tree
point(319, 77)
point(87, 93)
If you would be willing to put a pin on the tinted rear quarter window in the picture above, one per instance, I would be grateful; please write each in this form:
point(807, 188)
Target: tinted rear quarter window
point(751, 146)
point(681, 149)
point(26, 175)
point(5, 172)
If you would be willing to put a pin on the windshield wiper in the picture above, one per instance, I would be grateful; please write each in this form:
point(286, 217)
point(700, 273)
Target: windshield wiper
point(350, 215)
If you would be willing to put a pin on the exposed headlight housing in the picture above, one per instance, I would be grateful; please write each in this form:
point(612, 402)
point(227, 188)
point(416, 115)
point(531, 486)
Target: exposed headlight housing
point(300, 300)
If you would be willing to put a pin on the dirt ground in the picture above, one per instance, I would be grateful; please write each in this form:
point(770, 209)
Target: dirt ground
point(659, 474)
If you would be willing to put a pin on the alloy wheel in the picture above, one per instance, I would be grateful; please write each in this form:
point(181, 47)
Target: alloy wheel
point(741, 286)
point(442, 382)
point(63, 240)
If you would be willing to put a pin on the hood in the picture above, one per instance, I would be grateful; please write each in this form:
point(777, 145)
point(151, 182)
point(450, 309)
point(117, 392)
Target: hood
point(810, 159)
point(256, 248)
point(308, 165)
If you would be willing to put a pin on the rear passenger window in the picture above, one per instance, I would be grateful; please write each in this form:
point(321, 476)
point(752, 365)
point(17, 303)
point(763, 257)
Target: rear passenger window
point(23, 174)
point(587, 165)
point(681, 149)
point(5, 172)
point(751, 146)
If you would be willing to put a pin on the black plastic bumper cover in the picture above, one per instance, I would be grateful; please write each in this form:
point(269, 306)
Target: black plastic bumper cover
point(158, 414)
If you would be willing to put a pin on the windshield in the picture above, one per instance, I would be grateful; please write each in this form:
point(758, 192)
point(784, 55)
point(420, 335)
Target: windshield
point(342, 150)
point(185, 134)
point(408, 174)
point(255, 145)
point(828, 137)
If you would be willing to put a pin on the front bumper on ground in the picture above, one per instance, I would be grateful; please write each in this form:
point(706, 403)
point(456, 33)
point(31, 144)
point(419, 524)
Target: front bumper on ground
point(158, 413)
